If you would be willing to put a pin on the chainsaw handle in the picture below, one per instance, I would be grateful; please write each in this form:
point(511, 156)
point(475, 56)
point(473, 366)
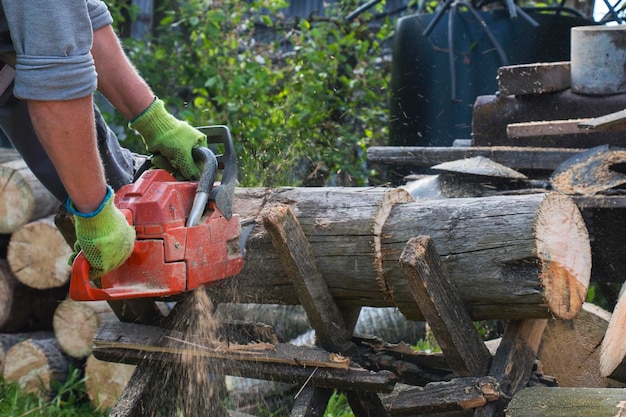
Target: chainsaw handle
point(224, 193)
point(209, 169)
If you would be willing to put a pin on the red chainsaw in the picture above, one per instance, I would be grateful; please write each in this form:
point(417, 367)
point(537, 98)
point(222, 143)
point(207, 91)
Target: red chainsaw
point(187, 235)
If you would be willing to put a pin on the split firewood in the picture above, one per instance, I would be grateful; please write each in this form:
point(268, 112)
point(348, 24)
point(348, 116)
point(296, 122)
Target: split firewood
point(570, 349)
point(75, 324)
point(105, 381)
point(524, 256)
point(24, 198)
point(38, 254)
point(36, 365)
point(613, 350)
point(553, 402)
point(25, 309)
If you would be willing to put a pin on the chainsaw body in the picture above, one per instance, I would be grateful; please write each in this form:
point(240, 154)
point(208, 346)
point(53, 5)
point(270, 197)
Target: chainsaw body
point(170, 256)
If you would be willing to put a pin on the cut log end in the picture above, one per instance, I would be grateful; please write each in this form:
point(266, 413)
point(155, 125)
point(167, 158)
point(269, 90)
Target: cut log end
point(565, 254)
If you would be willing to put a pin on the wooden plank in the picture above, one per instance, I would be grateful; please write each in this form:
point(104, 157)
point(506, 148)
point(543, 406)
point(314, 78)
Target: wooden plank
point(545, 128)
point(611, 122)
point(513, 363)
point(152, 339)
point(457, 394)
point(537, 78)
point(516, 157)
point(442, 306)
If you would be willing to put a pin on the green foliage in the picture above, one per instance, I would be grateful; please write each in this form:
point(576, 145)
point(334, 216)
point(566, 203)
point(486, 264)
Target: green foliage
point(69, 401)
point(303, 99)
point(338, 406)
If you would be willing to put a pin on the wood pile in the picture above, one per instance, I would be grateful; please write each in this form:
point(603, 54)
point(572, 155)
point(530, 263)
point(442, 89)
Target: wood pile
point(42, 332)
point(538, 126)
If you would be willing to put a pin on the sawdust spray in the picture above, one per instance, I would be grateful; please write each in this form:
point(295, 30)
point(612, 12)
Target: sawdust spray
point(192, 387)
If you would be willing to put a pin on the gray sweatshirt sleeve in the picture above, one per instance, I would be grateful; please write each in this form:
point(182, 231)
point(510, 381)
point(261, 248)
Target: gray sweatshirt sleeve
point(53, 42)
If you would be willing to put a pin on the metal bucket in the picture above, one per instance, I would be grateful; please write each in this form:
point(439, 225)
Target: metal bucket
point(598, 60)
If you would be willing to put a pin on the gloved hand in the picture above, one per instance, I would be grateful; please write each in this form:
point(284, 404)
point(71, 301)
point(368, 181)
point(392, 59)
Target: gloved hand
point(173, 139)
point(104, 236)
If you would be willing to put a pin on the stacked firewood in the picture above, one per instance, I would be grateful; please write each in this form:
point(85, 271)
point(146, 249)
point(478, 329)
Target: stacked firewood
point(42, 332)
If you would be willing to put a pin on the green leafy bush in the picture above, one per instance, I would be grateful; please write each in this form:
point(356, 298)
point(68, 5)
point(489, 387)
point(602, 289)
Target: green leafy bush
point(302, 98)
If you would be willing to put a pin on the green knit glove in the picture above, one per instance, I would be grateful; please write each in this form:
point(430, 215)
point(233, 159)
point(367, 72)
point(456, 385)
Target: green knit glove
point(104, 236)
point(166, 136)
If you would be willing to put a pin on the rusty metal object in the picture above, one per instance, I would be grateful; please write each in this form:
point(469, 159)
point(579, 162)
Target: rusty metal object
point(598, 54)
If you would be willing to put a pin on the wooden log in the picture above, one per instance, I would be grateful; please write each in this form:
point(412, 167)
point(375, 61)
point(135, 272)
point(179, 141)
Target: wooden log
point(516, 157)
point(8, 340)
point(25, 309)
point(549, 234)
point(38, 254)
point(441, 304)
point(613, 349)
point(357, 236)
point(75, 325)
point(24, 198)
point(570, 349)
point(36, 365)
point(566, 402)
point(105, 381)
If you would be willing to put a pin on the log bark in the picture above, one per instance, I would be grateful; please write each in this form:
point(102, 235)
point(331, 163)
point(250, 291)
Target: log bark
point(24, 198)
point(75, 324)
point(557, 402)
point(38, 254)
point(36, 365)
point(25, 309)
point(570, 349)
point(511, 257)
point(613, 349)
point(105, 381)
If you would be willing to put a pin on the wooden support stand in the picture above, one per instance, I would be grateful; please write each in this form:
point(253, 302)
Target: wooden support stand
point(326, 318)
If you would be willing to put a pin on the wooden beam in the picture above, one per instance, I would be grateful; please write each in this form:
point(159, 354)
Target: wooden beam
point(516, 157)
point(545, 128)
point(457, 394)
point(442, 306)
point(536, 78)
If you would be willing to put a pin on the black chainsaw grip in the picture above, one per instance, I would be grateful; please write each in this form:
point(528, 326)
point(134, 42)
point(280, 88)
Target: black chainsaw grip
point(209, 169)
point(224, 193)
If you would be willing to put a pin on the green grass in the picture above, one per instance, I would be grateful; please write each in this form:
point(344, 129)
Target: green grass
point(70, 400)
